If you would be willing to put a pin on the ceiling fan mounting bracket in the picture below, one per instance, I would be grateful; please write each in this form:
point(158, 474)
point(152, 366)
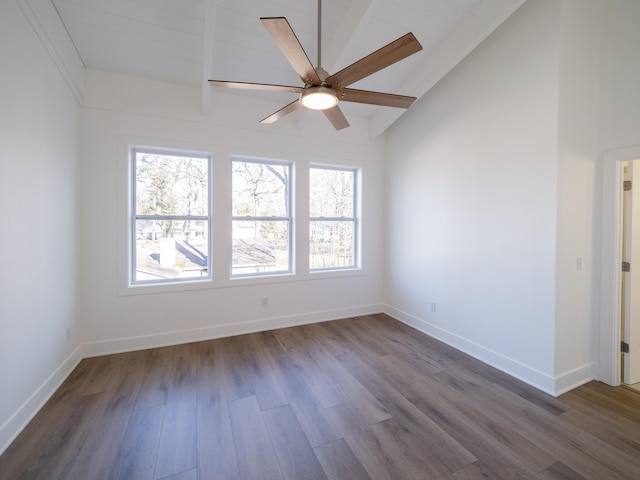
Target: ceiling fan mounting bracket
point(322, 74)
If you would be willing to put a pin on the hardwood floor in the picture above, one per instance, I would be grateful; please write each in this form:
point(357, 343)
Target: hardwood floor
point(364, 398)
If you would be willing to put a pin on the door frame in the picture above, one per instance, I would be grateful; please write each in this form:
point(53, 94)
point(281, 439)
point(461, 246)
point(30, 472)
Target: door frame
point(611, 261)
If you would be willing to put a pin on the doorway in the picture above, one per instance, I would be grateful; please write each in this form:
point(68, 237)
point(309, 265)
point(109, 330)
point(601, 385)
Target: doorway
point(611, 306)
point(630, 301)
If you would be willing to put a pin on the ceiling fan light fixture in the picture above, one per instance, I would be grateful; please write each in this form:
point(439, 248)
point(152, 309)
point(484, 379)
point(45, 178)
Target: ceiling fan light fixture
point(318, 97)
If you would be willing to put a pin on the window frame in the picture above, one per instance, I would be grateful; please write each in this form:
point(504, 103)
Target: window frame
point(290, 205)
point(134, 217)
point(355, 219)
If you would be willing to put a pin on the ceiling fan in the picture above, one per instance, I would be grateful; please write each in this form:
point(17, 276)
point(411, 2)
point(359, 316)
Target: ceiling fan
point(322, 91)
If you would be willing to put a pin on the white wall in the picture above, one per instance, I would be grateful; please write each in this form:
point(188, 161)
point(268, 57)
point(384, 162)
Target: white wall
point(578, 261)
point(471, 182)
point(620, 105)
point(39, 249)
point(118, 111)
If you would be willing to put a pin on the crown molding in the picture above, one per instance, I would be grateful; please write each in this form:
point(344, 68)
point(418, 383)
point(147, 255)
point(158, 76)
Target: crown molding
point(47, 25)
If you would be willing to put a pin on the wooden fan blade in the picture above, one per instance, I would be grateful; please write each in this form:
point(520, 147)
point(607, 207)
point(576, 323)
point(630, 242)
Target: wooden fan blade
point(289, 44)
point(336, 117)
point(256, 86)
point(387, 55)
point(376, 98)
point(292, 107)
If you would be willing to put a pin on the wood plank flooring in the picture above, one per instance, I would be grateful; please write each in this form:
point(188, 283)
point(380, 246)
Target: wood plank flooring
point(361, 398)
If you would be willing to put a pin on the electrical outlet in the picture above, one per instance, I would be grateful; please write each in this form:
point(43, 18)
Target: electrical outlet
point(265, 301)
point(432, 306)
point(68, 333)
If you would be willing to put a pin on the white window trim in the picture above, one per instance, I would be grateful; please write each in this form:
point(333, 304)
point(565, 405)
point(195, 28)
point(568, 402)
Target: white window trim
point(220, 207)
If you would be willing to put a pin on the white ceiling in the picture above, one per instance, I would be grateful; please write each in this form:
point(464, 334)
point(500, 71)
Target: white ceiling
point(189, 41)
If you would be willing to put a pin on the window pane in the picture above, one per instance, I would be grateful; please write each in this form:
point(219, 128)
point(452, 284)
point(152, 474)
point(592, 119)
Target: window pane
point(331, 244)
point(171, 249)
point(171, 219)
point(260, 246)
point(171, 185)
point(331, 193)
point(260, 189)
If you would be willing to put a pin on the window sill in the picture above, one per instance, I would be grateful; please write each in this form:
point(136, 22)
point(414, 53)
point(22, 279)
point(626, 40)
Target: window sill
point(182, 286)
point(244, 281)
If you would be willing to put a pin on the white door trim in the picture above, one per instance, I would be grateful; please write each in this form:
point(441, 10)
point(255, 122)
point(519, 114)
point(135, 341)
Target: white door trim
point(611, 262)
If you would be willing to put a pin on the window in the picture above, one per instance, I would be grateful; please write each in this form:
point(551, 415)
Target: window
point(261, 217)
point(332, 218)
point(170, 216)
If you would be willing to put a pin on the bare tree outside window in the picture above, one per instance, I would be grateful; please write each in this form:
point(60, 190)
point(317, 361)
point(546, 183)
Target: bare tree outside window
point(170, 215)
point(261, 217)
point(332, 218)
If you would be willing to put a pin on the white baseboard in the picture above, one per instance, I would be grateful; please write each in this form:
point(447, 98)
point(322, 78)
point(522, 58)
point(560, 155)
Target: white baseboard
point(107, 347)
point(19, 420)
point(533, 377)
point(576, 377)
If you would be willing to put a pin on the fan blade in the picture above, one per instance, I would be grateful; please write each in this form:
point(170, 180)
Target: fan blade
point(382, 58)
point(376, 98)
point(256, 86)
point(293, 106)
point(336, 117)
point(289, 44)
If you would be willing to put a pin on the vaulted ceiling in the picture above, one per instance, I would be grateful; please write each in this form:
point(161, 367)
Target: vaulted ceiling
point(189, 41)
